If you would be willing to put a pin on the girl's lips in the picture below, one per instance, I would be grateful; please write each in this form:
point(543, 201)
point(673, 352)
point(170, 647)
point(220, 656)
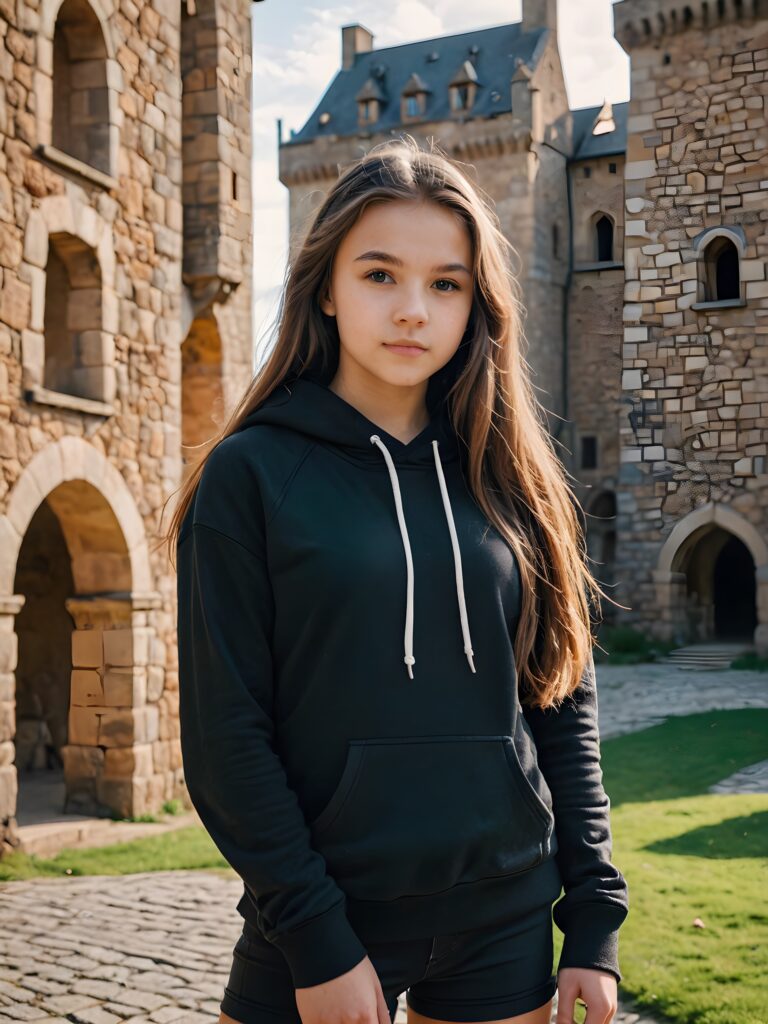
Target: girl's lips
point(406, 350)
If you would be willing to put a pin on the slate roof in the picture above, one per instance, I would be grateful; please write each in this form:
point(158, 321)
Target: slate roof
point(391, 67)
point(587, 146)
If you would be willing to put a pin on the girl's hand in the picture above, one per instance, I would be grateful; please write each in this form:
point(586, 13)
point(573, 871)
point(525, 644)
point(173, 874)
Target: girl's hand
point(597, 989)
point(353, 998)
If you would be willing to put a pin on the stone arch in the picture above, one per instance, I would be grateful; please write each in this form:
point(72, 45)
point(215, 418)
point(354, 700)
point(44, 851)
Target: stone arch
point(89, 695)
point(73, 461)
point(721, 515)
point(709, 529)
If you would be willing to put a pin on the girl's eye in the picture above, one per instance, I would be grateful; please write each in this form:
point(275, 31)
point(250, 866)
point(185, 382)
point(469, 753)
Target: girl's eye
point(454, 286)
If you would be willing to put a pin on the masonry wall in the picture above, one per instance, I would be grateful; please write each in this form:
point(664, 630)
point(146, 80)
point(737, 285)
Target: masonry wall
point(91, 260)
point(694, 434)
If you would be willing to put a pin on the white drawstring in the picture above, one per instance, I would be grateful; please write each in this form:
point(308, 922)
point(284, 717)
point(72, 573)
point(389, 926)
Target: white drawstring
point(409, 659)
point(456, 559)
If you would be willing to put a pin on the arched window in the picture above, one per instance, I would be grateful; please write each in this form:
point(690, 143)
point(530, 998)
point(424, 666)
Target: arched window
point(721, 260)
point(81, 115)
point(719, 251)
point(604, 239)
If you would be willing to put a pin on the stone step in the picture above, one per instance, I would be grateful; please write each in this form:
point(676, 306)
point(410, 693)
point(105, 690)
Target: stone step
point(705, 657)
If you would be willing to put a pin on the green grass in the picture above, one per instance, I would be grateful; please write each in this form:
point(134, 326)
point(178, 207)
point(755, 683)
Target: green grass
point(184, 848)
point(686, 854)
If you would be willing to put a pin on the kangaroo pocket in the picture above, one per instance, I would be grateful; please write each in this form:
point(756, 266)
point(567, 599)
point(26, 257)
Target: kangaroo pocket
point(411, 816)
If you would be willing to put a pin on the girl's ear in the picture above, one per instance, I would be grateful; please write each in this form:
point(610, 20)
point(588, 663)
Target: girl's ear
point(327, 306)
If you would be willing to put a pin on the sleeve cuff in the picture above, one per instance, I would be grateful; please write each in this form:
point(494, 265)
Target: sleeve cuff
point(321, 949)
point(592, 939)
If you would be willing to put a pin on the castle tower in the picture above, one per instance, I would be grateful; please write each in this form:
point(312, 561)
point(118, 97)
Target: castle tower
point(693, 516)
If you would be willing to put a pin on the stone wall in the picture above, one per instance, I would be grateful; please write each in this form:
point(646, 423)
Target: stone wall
point(125, 220)
point(694, 434)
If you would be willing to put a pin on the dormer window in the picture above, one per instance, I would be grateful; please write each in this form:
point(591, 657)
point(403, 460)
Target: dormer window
point(413, 103)
point(463, 87)
point(369, 102)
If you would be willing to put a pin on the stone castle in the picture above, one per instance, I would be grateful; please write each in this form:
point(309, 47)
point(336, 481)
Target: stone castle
point(126, 335)
point(642, 236)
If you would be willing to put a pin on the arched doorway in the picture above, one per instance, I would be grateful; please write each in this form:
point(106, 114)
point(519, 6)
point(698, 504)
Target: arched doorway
point(44, 630)
point(735, 592)
point(711, 579)
point(73, 560)
point(83, 666)
point(720, 586)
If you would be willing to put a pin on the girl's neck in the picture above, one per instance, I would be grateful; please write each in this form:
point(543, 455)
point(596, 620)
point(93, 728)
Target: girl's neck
point(401, 411)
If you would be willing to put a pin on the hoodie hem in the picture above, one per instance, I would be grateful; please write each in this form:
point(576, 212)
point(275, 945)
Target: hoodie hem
point(479, 904)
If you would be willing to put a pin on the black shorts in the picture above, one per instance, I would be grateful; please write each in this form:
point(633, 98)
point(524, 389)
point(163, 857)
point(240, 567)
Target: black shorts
point(483, 974)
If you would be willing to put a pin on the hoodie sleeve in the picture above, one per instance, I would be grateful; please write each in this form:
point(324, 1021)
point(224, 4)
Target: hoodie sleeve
point(235, 779)
point(596, 899)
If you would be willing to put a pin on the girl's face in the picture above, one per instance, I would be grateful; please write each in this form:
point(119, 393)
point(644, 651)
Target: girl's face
point(403, 273)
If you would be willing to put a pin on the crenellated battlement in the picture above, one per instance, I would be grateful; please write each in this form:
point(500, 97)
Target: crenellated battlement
point(638, 22)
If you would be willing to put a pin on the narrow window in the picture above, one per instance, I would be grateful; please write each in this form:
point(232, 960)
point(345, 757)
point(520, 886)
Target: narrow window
point(727, 272)
point(589, 453)
point(604, 237)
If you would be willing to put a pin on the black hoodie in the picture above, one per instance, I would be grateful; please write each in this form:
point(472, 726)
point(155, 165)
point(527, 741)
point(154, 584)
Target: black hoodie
point(351, 730)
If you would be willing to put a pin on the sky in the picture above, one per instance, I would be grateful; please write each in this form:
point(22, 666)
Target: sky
point(297, 53)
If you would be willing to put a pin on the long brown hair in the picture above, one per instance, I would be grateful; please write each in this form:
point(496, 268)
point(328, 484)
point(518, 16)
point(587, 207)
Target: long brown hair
point(513, 470)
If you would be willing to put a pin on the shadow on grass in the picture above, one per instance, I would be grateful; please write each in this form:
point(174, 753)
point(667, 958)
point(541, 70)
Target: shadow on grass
point(742, 836)
point(683, 756)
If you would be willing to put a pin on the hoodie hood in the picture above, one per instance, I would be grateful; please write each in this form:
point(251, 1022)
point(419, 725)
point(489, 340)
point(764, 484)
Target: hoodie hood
point(308, 406)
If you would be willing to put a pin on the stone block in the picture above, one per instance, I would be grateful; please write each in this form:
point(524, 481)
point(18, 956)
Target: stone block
point(125, 687)
point(118, 795)
point(116, 728)
point(9, 789)
point(82, 762)
point(87, 649)
point(84, 726)
point(87, 688)
point(7, 720)
point(155, 682)
point(9, 652)
point(124, 762)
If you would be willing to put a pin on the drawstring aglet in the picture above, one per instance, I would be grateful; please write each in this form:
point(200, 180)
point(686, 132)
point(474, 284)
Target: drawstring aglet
point(470, 655)
point(409, 661)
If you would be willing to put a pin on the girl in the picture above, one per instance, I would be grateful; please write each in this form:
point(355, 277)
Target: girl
point(379, 560)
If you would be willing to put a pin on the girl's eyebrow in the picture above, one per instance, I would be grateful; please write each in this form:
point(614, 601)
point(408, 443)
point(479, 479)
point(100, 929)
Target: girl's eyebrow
point(375, 256)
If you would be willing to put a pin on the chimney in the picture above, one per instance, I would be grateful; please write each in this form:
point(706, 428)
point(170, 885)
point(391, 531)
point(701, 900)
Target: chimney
point(539, 14)
point(354, 39)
